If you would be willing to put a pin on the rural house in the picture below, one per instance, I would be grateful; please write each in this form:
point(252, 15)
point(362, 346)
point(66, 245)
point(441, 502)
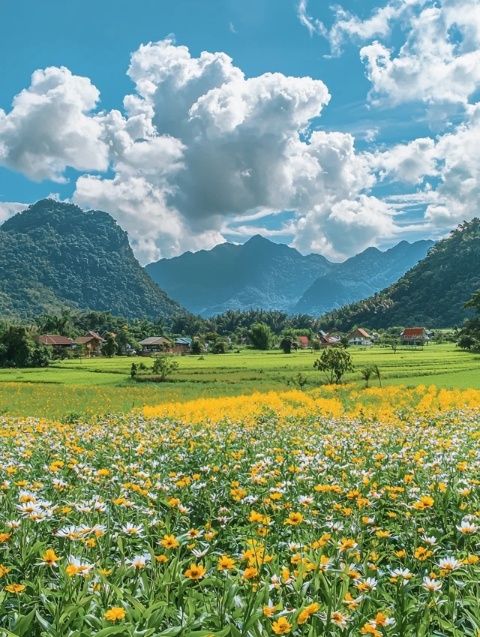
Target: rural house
point(360, 336)
point(182, 345)
point(56, 342)
point(155, 345)
point(91, 343)
point(303, 342)
point(328, 340)
point(414, 336)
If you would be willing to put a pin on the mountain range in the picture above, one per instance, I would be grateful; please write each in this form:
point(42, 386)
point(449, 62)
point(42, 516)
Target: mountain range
point(54, 255)
point(431, 294)
point(267, 275)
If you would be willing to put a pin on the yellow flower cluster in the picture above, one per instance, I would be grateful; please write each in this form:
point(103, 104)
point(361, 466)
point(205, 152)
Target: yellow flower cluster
point(330, 512)
point(390, 404)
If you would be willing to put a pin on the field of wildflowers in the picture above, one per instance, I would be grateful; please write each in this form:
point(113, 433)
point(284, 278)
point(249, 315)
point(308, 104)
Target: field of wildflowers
point(337, 512)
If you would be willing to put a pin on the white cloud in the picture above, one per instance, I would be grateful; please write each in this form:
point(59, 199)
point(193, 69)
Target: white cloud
point(228, 147)
point(439, 61)
point(50, 127)
point(10, 208)
point(409, 163)
point(198, 146)
point(347, 26)
point(346, 228)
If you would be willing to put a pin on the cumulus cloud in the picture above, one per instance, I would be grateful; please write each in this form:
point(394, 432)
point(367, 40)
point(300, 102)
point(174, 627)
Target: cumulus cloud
point(10, 208)
point(216, 146)
point(199, 146)
point(347, 26)
point(347, 227)
point(439, 61)
point(50, 127)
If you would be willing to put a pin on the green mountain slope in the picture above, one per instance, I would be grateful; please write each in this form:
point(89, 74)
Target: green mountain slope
point(431, 294)
point(257, 274)
point(272, 276)
point(361, 276)
point(54, 255)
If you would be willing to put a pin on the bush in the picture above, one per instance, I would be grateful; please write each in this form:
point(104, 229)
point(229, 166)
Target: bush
point(220, 347)
point(335, 362)
point(163, 367)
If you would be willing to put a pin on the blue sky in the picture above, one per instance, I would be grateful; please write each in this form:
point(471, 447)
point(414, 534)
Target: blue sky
point(383, 186)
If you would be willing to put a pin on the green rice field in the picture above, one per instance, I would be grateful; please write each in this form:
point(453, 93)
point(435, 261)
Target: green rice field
point(101, 385)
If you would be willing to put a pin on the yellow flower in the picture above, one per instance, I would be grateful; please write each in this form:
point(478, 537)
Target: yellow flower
point(195, 572)
point(307, 612)
point(282, 626)
point(169, 542)
point(422, 553)
point(294, 519)
point(115, 614)
point(50, 558)
point(225, 563)
point(16, 589)
point(4, 570)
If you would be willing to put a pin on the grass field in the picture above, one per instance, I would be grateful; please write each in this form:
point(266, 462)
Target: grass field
point(88, 386)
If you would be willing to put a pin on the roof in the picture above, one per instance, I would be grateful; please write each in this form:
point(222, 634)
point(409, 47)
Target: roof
point(304, 340)
point(414, 331)
point(155, 340)
point(328, 338)
point(95, 335)
point(55, 339)
point(183, 341)
point(361, 332)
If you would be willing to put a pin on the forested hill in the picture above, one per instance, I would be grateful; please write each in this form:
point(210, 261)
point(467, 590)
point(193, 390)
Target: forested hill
point(431, 294)
point(271, 276)
point(54, 255)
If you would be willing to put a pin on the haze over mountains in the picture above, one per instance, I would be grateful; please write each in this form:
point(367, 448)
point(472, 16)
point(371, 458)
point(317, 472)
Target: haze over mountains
point(267, 275)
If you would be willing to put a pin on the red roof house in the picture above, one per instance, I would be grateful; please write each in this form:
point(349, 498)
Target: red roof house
point(303, 342)
point(55, 340)
point(414, 335)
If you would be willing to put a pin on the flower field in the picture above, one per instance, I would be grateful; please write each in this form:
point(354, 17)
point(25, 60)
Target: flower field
point(334, 512)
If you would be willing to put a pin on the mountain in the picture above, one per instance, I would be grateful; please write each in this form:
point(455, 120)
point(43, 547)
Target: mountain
point(259, 273)
point(54, 255)
point(360, 276)
point(267, 275)
point(431, 294)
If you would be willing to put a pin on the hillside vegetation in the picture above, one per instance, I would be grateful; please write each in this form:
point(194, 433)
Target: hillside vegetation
point(431, 294)
point(271, 276)
point(54, 255)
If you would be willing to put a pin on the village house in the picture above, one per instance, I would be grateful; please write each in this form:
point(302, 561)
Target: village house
point(303, 342)
point(182, 345)
point(91, 343)
point(414, 336)
point(360, 336)
point(328, 340)
point(56, 342)
point(155, 345)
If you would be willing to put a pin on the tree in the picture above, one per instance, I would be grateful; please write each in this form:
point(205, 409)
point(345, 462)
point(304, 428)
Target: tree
point(261, 336)
point(286, 343)
point(335, 362)
point(164, 366)
point(377, 373)
point(220, 347)
point(367, 373)
point(469, 337)
point(19, 349)
point(109, 348)
point(197, 347)
point(133, 370)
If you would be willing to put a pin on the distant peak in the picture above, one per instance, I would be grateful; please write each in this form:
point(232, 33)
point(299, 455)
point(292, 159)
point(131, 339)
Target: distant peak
point(258, 239)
